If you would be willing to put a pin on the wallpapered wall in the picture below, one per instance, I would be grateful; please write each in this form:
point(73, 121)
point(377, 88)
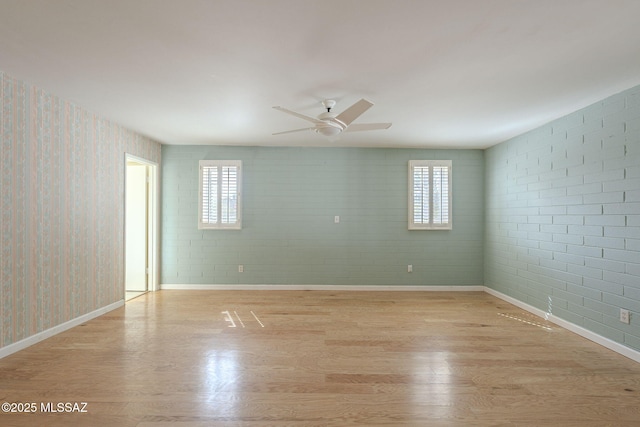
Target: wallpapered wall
point(61, 209)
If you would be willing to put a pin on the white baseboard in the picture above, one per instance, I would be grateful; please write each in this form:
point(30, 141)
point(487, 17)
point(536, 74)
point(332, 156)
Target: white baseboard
point(585, 333)
point(33, 339)
point(381, 288)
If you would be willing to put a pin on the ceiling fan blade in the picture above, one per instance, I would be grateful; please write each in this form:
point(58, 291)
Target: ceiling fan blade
point(292, 131)
point(301, 116)
point(367, 126)
point(353, 112)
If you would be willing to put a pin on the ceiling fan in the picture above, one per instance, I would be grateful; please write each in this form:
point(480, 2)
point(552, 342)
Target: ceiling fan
point(331, 124)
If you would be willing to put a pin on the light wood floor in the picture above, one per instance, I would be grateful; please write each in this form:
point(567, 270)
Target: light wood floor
point(129, 295)
point(173, 358)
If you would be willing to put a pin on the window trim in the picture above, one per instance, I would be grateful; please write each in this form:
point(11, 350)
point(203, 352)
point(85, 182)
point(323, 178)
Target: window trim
point(431, 164)
point(220, 226)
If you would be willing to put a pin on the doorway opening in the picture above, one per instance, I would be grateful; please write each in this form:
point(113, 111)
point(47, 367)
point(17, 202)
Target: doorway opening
point(140, 236)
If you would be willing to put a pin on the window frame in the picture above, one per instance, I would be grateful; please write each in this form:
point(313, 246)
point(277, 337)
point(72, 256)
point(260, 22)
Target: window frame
point(219, 225)
point(430, 225)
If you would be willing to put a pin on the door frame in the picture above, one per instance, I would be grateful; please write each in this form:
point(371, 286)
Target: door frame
point(152, 222)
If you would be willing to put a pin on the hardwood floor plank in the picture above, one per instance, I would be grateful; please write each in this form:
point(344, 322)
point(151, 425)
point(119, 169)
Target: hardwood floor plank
point(313, 358)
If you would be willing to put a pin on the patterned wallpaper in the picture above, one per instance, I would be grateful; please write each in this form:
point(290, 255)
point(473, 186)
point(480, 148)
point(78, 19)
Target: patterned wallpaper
point(61, 209)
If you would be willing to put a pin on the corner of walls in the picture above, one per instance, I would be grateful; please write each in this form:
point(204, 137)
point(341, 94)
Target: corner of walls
point(562, 227)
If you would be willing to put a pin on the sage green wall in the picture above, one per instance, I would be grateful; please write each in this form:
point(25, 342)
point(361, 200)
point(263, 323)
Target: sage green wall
point(563, 217)
point(290, 199)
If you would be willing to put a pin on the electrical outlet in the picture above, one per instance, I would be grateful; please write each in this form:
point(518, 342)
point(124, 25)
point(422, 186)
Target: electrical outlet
point(240, 268)
point(409, 268)
point(336, 219)
point(624, 316)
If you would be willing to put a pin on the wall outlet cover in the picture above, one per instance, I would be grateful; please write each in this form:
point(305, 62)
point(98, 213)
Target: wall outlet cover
point(624, 316)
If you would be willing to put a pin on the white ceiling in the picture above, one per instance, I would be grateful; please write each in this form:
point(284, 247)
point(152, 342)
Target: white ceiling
point(447, 73)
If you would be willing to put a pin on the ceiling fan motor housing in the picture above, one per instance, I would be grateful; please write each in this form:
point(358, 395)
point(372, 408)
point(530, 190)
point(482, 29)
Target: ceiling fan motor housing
point(331, 126)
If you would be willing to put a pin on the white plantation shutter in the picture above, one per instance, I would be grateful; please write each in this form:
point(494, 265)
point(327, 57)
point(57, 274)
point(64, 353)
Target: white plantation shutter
point(440, 195)
point(209, 182)
point(220, 194)
point(229, 197)
point(421, 194)
point(429, 194)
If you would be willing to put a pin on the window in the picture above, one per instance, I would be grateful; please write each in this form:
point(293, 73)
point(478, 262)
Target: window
point(430, 195)
point(219, 197)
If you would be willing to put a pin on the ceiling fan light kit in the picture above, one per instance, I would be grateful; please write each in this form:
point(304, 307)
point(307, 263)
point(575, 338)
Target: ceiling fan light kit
point(329, 130)
point(331, 124)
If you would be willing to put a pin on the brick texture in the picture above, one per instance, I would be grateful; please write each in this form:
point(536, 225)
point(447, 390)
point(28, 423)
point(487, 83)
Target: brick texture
point(290, 199)
point(582, 172)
